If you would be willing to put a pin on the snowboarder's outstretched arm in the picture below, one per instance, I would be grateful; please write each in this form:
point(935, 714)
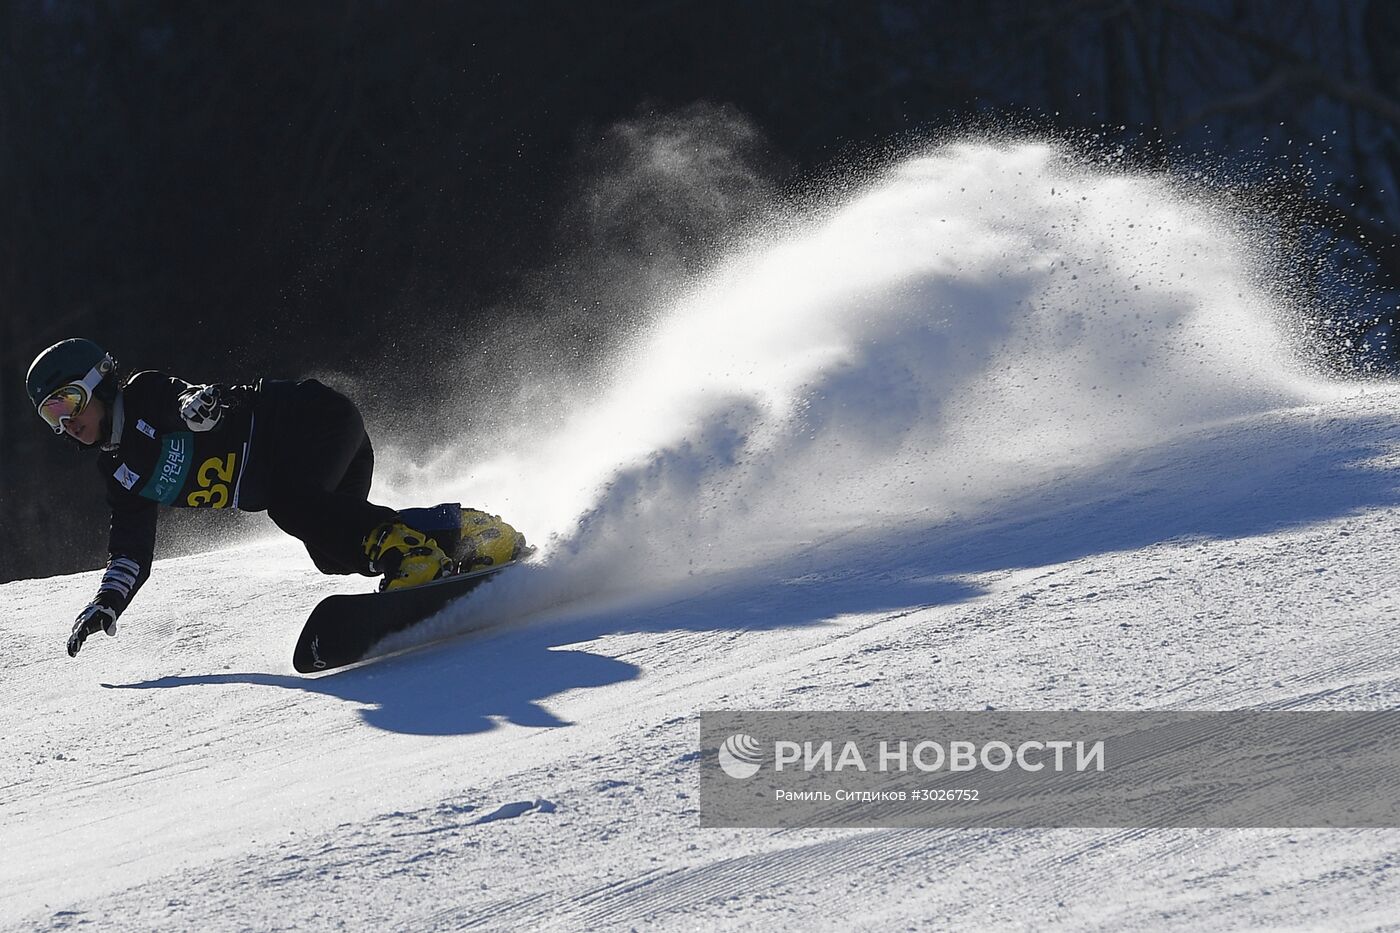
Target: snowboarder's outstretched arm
point(155, 418)
point(130, 548)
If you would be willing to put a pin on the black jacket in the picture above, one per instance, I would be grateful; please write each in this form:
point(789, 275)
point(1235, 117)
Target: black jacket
point(154, 459)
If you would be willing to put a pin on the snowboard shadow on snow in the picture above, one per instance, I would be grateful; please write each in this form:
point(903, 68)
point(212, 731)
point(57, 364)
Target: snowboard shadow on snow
point(1218, 484)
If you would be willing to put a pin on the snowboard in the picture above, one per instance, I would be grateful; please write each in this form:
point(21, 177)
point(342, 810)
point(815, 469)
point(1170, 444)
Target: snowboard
point(343, 629)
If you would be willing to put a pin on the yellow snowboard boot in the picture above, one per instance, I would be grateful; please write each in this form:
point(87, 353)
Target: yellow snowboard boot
point(486, 541)
point(406, 557)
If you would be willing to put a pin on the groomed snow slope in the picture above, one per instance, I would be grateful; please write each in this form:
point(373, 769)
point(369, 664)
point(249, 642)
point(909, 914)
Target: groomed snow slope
point(865, 466)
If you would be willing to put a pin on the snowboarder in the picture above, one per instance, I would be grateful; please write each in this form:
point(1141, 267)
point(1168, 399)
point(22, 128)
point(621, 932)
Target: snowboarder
point(295, 449)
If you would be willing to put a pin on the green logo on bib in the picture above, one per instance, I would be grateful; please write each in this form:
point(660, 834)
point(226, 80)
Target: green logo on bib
point(171, 468)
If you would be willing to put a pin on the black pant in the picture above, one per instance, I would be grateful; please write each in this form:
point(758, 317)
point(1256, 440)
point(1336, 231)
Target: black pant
point(321, 466)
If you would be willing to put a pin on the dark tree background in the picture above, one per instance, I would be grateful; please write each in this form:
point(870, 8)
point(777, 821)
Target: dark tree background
point(372, 188)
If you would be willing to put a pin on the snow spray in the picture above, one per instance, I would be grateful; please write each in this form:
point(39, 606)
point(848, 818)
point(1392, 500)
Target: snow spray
point(980, 318)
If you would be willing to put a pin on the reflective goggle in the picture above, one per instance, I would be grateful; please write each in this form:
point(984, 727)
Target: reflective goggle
point(69, 401)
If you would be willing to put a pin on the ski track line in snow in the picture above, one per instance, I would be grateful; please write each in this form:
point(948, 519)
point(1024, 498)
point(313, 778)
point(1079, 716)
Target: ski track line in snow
point(644, 898)
point(733, 892)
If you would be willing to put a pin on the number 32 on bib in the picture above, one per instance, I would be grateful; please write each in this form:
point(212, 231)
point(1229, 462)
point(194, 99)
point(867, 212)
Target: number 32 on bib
point(214, 477)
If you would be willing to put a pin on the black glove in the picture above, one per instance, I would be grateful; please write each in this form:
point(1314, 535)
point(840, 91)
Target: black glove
point(201, 408)
point(96, 617)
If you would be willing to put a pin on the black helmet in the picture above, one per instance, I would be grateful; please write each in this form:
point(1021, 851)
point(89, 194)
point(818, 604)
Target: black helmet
point(66, 376)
